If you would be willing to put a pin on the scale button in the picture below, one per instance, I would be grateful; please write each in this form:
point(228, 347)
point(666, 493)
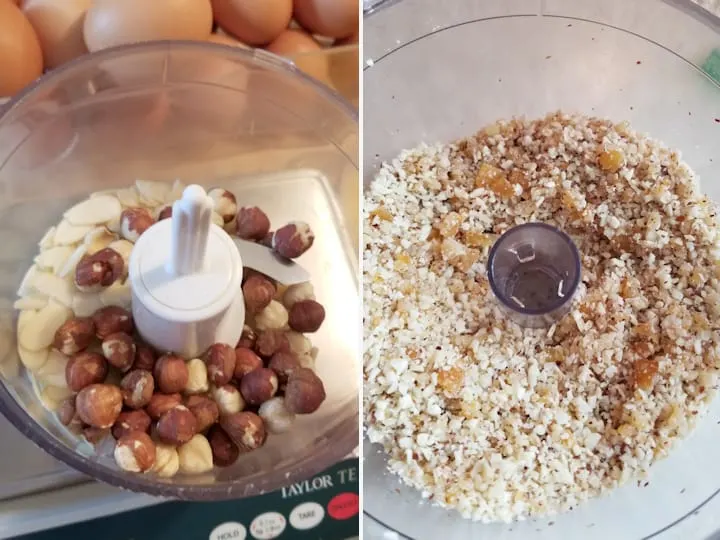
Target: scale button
point(268, 526)
point(307, 516)
point(229, 530)
point(344, 506)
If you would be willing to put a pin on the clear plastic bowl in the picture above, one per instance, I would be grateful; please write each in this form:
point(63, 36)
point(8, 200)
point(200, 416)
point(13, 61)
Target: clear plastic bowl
point(208, 114)
point(437, 71)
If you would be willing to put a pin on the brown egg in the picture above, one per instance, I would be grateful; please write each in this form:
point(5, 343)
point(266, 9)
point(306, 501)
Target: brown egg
point(329, 18)
point(59, 27)
point(109, 23)
point(255, 22)
point(20, 53)
point(223, 39)
point(299, 46)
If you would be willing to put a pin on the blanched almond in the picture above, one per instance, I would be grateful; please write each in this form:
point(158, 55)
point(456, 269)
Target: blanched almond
point(117, 294)
point(52, 373)
point(124, 248)
point(152, 193)
point(39, 333)
point(94, 210)
point(85, 304)
point(68, 234)
point(52, 286)
point(69, 268)
point(128, 197)
point(97, 239)
point(34, 302)
point(53, 259)
point(48, 239)
point(33, 360)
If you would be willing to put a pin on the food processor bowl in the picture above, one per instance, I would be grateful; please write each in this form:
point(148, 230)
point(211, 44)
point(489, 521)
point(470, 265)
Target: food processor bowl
point(438, 71)
point(216, 116)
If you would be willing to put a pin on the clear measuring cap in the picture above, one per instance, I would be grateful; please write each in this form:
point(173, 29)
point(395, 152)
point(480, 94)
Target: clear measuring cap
point(534, 271)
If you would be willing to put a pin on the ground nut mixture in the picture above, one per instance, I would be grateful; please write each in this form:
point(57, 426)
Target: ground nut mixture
point(501, 422)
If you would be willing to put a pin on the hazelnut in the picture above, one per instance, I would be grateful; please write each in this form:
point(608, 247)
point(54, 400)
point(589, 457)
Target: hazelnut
point(283, 364)
point(258, 291)
point(95, 435)
point(298, 343)
point(195, 456)
point(225, 203)
point(134, 222)
point(267, 240)
point(245, 362)
point(296, 293)
point(162, 403)
point(246, 429)
point(177, 426)
point(66, 413)
point(197, 377)
point(220, 361)
point(247, 338)
point(99, 270)
point(144, 357)
point(271, 341)
point(293, 239)
point(137, 388)
point(84, 369)
point(228, 399)
point(276, 416)
point(205, 410)
point(74, 335)
point(165, 213)
point(119, 349)
point(171, 374)
point(258, 386)
point(273, 317)
point(131, 421)
point(112, 319)
point(135, 452)
point(252, 223)
point(306, 316)
point(167, 461)
point(304, 392)
point(224, 451)
point(99, 405)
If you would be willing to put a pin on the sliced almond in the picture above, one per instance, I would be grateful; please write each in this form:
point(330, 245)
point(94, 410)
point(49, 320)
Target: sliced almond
point(54, 287)
point(34, 302)
point(68, 234)
point(52, 373)
point(94, 211)
point(25, 317)
point(25, 285)
point(68, 270)
point(114, 225)
point(97, 239)
point(124, 248)
point(152, 193)
point(53, 259)
point(39, 332)
point(128, 197)
point(48, 239)
point(175, 192)
point(33, 360)
point(85, 304)
point(117, 294)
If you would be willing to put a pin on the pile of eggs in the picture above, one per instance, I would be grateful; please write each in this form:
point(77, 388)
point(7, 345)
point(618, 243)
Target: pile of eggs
point(37, 35)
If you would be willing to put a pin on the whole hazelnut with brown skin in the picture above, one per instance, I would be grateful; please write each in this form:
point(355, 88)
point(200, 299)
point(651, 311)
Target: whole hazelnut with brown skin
point(66, 413)
point(225, 203)
point(135, 452)
point(134, 222)
point(131, 421)
point(112, 319)
point(283, 364)
point(247, 338)
point(177, 426)
point(162, 403)
point(258, 386)
point(119, 350)
point(85, 368)
point(144, 357)
point(74, 335)
point(246, 429)
point(137, 387)
point(99, 270)
point(165, 213)
point(225, 451)
point(245, 362)
point(304, 392)
point(258, 292)
point(205, 410)
point(99, 405)
point(95, 435)
point(271, 341)
point(306, 316)
point(293, 239)
point(220, 361)
point(171, 374)
point(252, 223)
